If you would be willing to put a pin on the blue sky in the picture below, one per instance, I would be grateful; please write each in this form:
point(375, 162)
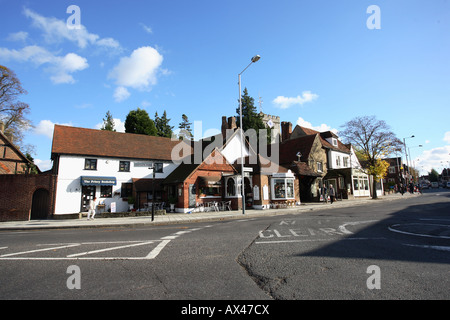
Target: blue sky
point(320, 64)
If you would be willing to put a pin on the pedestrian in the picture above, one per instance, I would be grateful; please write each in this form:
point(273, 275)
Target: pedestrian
point(332, 193)
point(91, 210)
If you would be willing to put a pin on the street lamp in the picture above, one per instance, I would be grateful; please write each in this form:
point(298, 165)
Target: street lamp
point(254, 59)
point(406, 151)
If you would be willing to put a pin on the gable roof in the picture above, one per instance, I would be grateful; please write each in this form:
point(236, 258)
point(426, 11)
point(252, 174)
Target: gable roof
point(302, 131)
point(289, 148)
point(101, 143)
point(12, 155)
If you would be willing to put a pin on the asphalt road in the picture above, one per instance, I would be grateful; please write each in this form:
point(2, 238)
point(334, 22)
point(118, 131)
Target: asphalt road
point(388, 250)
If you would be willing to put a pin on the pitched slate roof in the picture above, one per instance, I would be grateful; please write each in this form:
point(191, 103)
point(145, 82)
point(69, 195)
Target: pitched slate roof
point(100, 143)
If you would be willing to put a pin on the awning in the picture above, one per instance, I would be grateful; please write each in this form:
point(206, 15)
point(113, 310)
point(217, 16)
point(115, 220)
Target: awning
point(98, 181)
point(209, 180)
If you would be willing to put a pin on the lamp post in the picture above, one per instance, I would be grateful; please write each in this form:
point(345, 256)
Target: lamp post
point(406, 151)
point(254, 59)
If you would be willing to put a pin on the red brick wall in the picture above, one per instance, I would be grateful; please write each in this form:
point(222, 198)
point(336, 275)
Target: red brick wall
point(16, 194)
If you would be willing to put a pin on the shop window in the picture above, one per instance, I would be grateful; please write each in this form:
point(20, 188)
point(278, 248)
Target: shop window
point(105, 191)
point(90, 164)
point(282, 188)
point(124, 166)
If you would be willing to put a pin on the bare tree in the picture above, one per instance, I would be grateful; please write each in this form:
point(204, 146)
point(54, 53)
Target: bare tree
point(13, 112)
point(373, 140)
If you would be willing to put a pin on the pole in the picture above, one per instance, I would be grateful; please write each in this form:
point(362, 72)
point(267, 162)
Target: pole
point(153, 194)
point(242, 145)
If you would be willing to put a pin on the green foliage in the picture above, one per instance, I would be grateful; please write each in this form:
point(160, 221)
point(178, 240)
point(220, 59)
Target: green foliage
point(185, 128)
point(108, 123)
point(250, 118)
point(163, 129)
point(138, 121)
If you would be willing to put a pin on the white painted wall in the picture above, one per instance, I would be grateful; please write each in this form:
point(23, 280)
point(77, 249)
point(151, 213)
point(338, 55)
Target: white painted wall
point(71, 168)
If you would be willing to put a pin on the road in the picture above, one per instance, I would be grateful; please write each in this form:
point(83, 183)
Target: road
point(387, 250)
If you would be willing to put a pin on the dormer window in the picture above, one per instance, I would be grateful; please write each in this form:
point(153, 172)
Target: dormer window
point(334, 142)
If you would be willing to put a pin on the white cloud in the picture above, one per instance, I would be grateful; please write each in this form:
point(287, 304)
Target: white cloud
point(146, 28)
point(43, 165)
point(45, 128)
point(118, 125)
point(436, 158)
point(56, 30)
point(139, 70)
point(60, 67)
point(447, 137)
point(287, 102)
point(321, 128)
point(121, 94)
point(18, 36)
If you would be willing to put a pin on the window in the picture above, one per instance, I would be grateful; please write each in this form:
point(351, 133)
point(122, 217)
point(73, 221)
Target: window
point(158, 167)
point(391, 169)
point(105, 191)
point(126, 190)
point(282, 188)
point(345, 162)
point(90, 164)
point(124, 166)
point(319, 166)
point(334, 141)
point(338, 161)
point(231, 187)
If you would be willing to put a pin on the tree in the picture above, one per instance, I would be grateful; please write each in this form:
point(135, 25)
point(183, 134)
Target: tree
point(250, 118)
point(163, 129)
point(433, 175)
point(374, 141)
point(108, 123)
point(138, 121)
point(185, 128)
point(13, 112)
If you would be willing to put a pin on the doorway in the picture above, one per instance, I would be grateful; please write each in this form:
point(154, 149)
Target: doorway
point(87, 193)
point(40, 204)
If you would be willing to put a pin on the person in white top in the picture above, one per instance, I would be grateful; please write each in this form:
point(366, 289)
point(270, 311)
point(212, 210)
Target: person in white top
point(91, 210)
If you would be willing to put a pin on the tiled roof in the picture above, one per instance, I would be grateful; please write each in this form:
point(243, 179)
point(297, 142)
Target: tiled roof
point(90, 142)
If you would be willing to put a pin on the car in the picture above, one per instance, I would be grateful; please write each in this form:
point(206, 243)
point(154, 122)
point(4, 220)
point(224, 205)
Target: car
point(425, 186)
point(447, 185)
point(435, 185)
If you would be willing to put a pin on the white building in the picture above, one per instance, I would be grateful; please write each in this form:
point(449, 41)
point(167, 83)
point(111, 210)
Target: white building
point(106, 165)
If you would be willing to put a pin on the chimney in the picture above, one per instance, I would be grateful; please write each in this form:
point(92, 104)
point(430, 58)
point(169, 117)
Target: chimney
point(286, 130)
point(232, 123)
point(224, 127)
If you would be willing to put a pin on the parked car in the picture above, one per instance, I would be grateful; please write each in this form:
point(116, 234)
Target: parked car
point(447, 185)
point(435, 185)
point(425, 186)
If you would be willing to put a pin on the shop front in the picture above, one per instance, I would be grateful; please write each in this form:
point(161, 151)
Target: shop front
point(90, 186)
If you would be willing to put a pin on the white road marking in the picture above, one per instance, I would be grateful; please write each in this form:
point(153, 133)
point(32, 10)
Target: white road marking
point(154, 253)
point(39, 250)
point(343, 228)
point(109, 249)
point(313, 240)
point(441, 248)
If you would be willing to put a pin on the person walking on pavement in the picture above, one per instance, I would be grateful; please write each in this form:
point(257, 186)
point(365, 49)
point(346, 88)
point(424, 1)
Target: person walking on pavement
point(91, 210)
point(332, 193)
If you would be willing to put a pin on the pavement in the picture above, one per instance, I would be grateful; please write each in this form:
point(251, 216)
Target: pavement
point(177, 218)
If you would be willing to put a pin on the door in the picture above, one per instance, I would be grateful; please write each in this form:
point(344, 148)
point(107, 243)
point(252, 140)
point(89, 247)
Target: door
point(40, 204)
point(87, 193)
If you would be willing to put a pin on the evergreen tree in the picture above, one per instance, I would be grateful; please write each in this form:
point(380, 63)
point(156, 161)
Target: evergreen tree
point(108, 122)
point(185, 128)
point(250, 118)
point(138, 121)
point(163, 129)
